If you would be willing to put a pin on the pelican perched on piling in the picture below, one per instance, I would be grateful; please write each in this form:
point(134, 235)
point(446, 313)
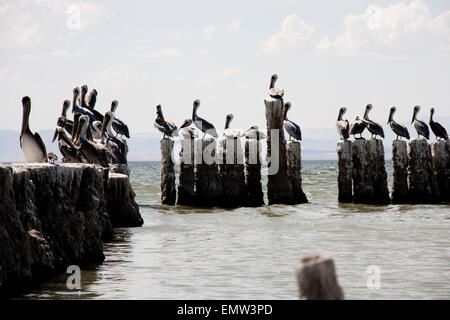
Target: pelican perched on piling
point(32, 145)
point(254, 132)
point(399, 129)
point(342, 126)
point(93, 152)
point(292, 128)
point(374, 128)
point(69, 151)
point(63, 121)
point(92, 99)
point(94, 115)
point(275, 92)
point(118, 125)
point(202, 124)
point(115, 146)
point(228, 132)
point(438, 130)
point(420, 126)
point(168, 128)
point(186, 131)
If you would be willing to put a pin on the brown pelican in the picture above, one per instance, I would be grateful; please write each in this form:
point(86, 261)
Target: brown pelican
point(399, 129)
point(275, 92)
point(292, 129)
point(186, 131)
point(254, 132)
point(82, 100)
point(97, 130)
point(374, 128)
point(92, 99)
point(201, 124)
point(342, 125)
point(63, 121)
point(118, 125)
point(357, 127)
point(438, 130)
point(168, 128)
point(420, 126)
point(32, 145)
point(115, 146)
point(68, 150)
point(230, 133)
point(93, 152)
point(93, 114)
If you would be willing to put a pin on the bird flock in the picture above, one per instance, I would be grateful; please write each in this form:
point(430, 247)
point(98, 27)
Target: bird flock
point(86, 138)
point(345, 130)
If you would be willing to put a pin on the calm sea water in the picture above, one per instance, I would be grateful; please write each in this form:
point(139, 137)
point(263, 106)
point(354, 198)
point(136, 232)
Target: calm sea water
point(250, 253)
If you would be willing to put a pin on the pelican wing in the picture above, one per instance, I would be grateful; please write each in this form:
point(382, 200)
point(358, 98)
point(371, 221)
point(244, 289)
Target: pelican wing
point(41, 144)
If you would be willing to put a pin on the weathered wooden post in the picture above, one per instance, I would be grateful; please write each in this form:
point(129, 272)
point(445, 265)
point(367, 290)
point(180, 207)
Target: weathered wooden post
point(168, 192)
point(231, 172)
point(255, 195)
point(362, 191)
point(316, 279)
point(441, 167)
point(278, 191)
point(209, 190)
point(400, 166)
point(345, 164)
point(423, 186)
point(294, 171)
point(186, 183)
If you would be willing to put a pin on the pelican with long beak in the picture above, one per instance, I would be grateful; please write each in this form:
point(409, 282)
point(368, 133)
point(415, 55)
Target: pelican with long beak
point(228, 132)
point(114, 146)
point(275, 92)
point(63, 121)
point(342, 126)
point(438, 130)
point(118, 125)
point(91, 112)
point(374, 128)
point(93, 152)
point(292, 128)
point(168, 128)
point(203, 125)
point(420, 126)
point(399, 129)
point(254, 132)
point(357, 127)
point(69, 151)
point(92, 99)
point(32, 145)
point(186, 131)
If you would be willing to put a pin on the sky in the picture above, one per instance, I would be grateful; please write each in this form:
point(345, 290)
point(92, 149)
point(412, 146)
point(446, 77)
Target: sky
point(327, 54)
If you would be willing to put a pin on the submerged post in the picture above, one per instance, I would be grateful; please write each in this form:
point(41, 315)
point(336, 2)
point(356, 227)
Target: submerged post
point(400, 175)
point(441, 168)
point(208, 186)
point(423, 186)
point(168, 192)
point(231, 172)
point(316, 279)
point(186, 183)
point(294, 171)
point(345, 164)
point(278, 190)
point(255, 196)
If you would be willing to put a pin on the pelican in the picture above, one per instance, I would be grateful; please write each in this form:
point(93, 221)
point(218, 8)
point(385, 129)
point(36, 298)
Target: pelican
point(201, 124)
point(438, 130)
point(66, 147)
point(78, 111)
point(292, 129)
point(420, 126)
point(342, 125)
point(63, 121)
point(97, 130)
point(374, 128)
point(186, 131)
point(275, 92)
point(168, 128)
point(32, 145)
point(82, 100)
point(115, 146)
point(254, 132)
point(357, 127)
point(94, 114)
point(93, 152)
point(230, 133)
point(118, 125)
point(92, 99)
point(399, 129)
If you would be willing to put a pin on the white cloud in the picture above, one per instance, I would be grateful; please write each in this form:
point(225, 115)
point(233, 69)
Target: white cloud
point(293, 31)
point(234, 25)
point(209, 30)
point(397, 29)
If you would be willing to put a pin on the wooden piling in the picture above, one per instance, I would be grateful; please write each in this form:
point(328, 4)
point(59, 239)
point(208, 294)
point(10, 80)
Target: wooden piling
point(423, 186)
point(441, 167)
point(294, 172)
point(255, 195)
point(316, 279)
point(168, 192)
point(231, 172)
point(186, 183)
point(345, 164)
point(400, 172)
point(278, 190)
point(208, 187)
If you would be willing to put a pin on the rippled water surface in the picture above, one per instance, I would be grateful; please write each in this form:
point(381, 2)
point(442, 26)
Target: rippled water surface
point(250, 253)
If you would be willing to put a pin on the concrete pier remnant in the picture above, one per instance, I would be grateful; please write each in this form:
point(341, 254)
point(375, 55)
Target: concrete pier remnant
point(278, 190)
point(400, 172)
point(294, 171)
point(254, 193)
point(316, 278)
point(168, 192)
point(423, 186)
point(441, 167)
point(208, 187)
point(231, 172)
point(345, 165)
point(186, 183)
